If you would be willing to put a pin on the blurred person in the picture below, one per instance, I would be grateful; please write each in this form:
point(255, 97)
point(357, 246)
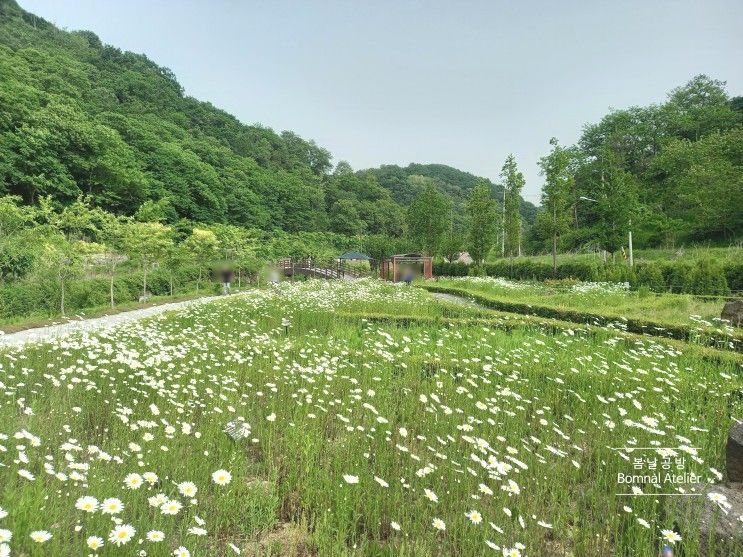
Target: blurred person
point(227, 276)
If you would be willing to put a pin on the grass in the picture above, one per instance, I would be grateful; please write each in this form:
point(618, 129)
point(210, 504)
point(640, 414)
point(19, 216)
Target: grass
point(356, 426)
point(610, 300)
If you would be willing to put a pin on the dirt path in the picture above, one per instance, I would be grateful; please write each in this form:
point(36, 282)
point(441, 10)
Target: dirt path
point(51, 332)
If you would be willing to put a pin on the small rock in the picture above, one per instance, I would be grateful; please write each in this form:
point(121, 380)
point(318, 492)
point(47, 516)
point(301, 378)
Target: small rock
point(734, 453)
point(710, 528)
point(733, 312)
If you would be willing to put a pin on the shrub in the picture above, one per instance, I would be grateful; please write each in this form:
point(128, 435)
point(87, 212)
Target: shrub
point(650, 276)
point(18, 299)
point(561, 282)
point(158, 283)
point(681, 278)
point(708, 278)
point(643, 292)
point(519, 270)
point(619, 273)
point(734, 276)
point(88, 293)
point(581, 270)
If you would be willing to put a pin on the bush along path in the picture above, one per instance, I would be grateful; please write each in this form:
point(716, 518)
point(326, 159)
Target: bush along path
point(717, 338)
point(704, 277)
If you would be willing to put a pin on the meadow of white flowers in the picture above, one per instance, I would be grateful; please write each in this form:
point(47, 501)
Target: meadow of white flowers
point(217, 429)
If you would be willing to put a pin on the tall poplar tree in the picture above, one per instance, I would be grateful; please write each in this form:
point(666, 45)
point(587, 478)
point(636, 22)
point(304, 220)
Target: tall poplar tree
point(554, 218)
point(483, 221)
point(428, 218)
point(513, 183)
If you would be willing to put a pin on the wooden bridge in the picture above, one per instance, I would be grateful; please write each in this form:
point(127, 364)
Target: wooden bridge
point(317, 269)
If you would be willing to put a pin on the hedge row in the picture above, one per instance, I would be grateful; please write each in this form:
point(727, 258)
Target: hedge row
point(43, 296)
point(705, 277)
point(632, 325)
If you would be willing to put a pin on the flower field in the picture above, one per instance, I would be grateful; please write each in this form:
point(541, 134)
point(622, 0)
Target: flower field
point(288, 421)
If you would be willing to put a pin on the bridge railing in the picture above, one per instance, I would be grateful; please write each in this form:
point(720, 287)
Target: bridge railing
point(332, 269)
point(312, 268)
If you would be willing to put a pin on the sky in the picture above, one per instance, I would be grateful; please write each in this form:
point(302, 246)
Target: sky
point(462, 83)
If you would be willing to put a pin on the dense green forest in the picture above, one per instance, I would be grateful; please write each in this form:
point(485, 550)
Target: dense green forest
point(78, 117)
point(672, 173)
point(406, 183)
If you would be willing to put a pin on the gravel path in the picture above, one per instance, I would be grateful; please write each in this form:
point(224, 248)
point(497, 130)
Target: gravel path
point(51, 332)
point(459, 300)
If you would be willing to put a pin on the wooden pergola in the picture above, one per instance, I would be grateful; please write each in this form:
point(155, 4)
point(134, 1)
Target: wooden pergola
point(389, 269)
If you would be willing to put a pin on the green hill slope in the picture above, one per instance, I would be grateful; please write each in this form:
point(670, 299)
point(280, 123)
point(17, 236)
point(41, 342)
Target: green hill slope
point(78, 117)
point(405, 182)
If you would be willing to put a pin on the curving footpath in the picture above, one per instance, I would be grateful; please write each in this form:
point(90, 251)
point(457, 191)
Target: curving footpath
point(51, 332)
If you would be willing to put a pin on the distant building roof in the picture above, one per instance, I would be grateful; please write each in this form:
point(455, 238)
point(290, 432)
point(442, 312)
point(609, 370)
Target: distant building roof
point(464, 257)
point(355, 256)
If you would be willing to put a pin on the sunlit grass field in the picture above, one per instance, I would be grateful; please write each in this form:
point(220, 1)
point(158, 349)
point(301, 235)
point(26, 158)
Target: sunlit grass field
point(350, 435)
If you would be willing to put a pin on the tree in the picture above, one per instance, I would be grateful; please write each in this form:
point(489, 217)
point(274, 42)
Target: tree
point(112, 234)
point(80, 220)
point(483, 221)
point(345, 219)
point(156, 211)
point(513, 183)
point(428, 218)
point(251, 264)
point(18, 237)
point(60, 258)
point(616, 203)
point(202, 245)
point(343, 168)
point(145, 243)
point(237, 246)
point(377, 247)
point(701, 184)
point(698, 108)
point(558, 181)
point(174, 258)
point(452, 244)
point(14, 216)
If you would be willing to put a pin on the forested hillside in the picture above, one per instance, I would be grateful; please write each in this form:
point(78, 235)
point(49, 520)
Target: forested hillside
point(671, 172)
point(406, 183)
point(81, 119)
point(78, 117)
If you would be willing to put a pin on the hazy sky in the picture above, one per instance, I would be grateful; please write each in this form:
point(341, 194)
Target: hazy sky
point(454, 82)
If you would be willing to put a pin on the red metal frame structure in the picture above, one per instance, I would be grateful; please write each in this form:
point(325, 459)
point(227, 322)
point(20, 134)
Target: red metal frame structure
point(389, 268)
